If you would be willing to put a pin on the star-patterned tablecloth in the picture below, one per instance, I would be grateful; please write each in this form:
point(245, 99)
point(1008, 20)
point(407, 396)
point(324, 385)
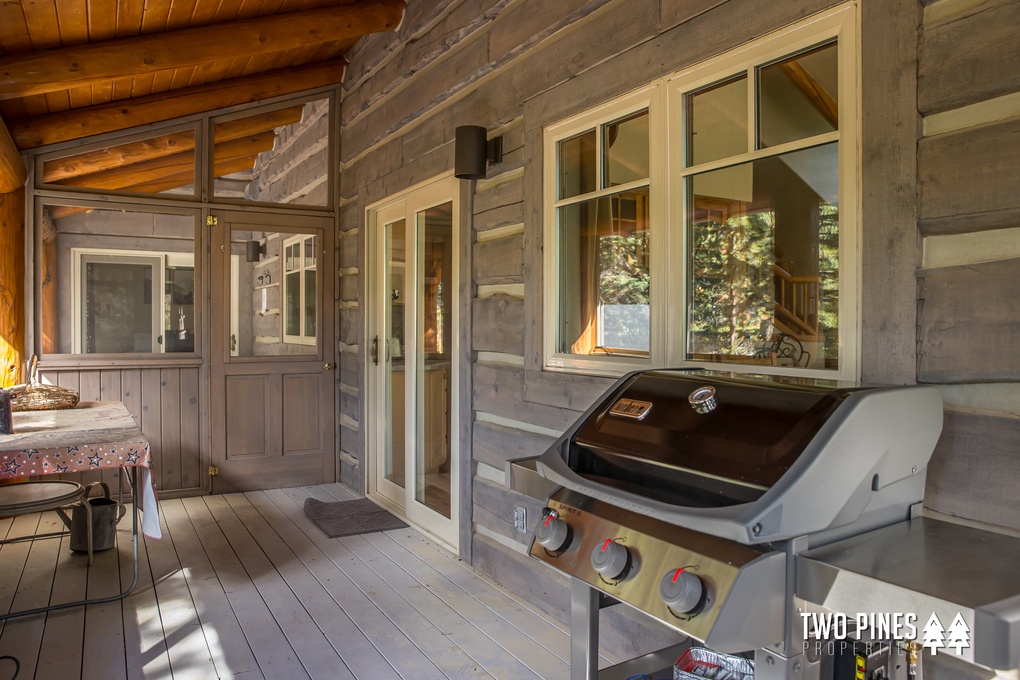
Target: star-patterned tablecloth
point(96, 435)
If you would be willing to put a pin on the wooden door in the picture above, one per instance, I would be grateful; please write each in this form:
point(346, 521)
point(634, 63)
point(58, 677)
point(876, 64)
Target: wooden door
point(273, 352)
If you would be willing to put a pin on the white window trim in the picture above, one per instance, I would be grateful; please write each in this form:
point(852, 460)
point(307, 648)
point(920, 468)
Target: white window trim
point(667, 267)
point(149, 257)
point(648, 97)
point(297, 339)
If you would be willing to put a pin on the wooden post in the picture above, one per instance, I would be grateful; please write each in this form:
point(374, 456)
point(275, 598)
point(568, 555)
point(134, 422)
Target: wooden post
point(12, 168)
point(12, 286)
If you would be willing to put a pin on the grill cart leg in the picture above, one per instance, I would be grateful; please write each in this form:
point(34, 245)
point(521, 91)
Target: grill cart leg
point(584, 631)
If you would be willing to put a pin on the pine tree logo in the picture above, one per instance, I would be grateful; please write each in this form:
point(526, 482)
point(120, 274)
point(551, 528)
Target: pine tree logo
point(958, 634)
point(934, 634)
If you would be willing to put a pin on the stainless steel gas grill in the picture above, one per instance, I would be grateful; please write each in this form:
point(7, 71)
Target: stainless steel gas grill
point(689, 494)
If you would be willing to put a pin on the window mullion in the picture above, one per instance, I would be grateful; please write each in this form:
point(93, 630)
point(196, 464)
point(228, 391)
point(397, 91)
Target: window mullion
point(608, 191)
point(752, 108)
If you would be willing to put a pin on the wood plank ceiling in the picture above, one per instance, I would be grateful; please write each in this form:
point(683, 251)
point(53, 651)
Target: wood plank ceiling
point(75, 68)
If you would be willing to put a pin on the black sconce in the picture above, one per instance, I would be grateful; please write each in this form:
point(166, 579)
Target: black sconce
point(472, 150)
point(253, 251)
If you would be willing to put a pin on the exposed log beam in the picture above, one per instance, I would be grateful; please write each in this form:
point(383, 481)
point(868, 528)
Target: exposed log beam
point(165, 145)
point(128, 113)
point(814, 91)
point(32, 73)
point(225, 166)
point(180, 165)
point(12, 168)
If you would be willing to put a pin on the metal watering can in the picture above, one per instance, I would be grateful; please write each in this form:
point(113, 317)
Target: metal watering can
point(105, 513)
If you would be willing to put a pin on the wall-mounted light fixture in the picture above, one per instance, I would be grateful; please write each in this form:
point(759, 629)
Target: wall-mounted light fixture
point(253, 251)
point(472, 150)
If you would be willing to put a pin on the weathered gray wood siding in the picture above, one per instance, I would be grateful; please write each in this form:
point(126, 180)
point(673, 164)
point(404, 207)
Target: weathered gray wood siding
point(166, 403)
point(513, 67)
point(517, 66)
point(968, 284)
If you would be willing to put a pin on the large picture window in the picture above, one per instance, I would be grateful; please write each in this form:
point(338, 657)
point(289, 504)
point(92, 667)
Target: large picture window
point(752, 260)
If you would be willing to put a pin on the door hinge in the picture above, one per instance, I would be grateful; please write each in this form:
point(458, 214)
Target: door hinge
point(213, 471)
point(211, 221)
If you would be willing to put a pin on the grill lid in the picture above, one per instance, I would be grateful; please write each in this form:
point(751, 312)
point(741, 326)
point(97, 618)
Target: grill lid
point(771, 459)
point(697, 440)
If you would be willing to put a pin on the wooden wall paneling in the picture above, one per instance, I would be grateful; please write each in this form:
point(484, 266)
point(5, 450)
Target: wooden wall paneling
point(638, 49)
point(499, 260)
point(497, 324)
point(71, 381)
point(533, 581)
point(416, 50)
point(90, 389)
point(499, 195)
point(192, 463)
point(889, 245)
point(495, 444)
point(972, 172)
point(111, 389)
point(12, 286)
point(151, 422)
point(966, 223)
point(442, 80)
point(675, 12)
point(499, 502)
point(502, 216)
point(170, 427)
point(969, 323)
point(524, 24)
point(131, 392)
point(956, 67)
point(564, 390)
point(974, 470)
point(499, 390)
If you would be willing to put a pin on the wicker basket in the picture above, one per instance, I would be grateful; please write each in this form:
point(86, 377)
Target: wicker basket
point(35, 396)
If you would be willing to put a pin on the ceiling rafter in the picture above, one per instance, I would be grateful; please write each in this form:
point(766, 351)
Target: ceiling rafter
point(32, 73)
point(76, 124)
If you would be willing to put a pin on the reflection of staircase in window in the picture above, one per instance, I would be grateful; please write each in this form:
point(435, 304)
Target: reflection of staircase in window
point(796, 304)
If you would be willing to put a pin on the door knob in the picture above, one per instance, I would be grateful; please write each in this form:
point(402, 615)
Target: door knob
point(329, 366)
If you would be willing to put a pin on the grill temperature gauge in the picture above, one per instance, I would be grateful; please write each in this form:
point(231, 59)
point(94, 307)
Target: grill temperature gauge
point(680, 590)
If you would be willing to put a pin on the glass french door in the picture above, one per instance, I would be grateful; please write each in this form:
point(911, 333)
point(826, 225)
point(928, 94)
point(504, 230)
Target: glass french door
point(412, 358)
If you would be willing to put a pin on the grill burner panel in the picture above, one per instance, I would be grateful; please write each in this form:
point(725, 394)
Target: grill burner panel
point(742, 605)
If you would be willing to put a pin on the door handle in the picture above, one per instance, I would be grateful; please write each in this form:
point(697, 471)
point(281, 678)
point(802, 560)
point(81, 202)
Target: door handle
point(329, 366)
point(375, 350)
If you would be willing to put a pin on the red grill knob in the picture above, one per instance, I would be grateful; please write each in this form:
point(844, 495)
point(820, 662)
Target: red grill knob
point(552, 533)
point(681, 590)
point(609, 558)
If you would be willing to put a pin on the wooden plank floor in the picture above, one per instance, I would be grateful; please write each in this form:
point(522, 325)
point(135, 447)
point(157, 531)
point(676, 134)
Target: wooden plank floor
point(245, 586)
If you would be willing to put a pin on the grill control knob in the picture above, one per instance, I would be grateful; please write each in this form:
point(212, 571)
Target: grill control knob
point(552, 533)
point(680, 590)
point(609, 558)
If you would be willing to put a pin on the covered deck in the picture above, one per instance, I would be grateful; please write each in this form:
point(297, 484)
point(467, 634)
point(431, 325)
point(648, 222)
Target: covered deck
point(246, 586)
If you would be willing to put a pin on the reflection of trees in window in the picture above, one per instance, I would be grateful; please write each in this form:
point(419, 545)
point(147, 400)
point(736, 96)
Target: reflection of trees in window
point(732, 280)
point(828, 271)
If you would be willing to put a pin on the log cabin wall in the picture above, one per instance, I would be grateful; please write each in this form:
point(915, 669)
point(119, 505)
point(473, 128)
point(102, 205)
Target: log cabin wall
point(968, 285)
point(515, 67)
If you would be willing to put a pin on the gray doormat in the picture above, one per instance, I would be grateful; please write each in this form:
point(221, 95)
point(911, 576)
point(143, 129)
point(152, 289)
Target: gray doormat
point(348, 518)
